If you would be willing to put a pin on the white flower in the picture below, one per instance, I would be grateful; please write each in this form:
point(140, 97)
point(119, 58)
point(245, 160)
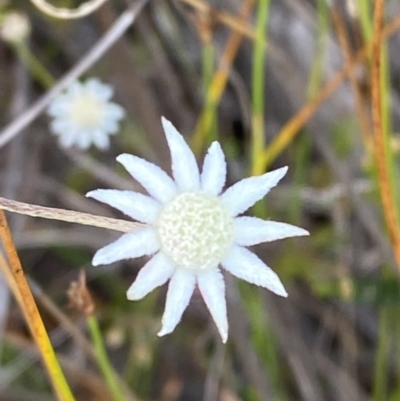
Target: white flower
point(15, 27)
point(83, 115)
point(192, 229)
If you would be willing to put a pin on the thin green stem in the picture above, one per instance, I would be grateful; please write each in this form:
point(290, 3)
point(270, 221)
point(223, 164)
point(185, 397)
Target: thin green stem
point(103, 360)
point(365, 12)
point(258, 81)
point(388, 128)
point(303, 148)
point(34, 66)
point(210, 107)
point(316, 74)
point(396, 313)
point(258, 94)
point(382, 354)
point(265, 341)
point(302, 157)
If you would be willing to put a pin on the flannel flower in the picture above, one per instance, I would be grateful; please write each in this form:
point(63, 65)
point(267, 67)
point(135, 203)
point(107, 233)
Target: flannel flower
point(83, 115)
point(192, 229)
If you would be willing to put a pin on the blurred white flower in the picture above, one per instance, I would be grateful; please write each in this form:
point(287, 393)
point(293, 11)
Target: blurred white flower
point(84, 116)
point(15, 27)
point(192, 229)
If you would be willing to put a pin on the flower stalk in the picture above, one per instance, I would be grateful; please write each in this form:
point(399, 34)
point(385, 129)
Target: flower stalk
point(102, 358)
point(258, 81)
point(81, 299)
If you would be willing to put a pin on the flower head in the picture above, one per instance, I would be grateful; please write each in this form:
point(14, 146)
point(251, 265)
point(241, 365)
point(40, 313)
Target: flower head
point(193, 229)
point(15, 27)
point(84, 115)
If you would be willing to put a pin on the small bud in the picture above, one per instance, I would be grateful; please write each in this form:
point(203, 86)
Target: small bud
point(79, 295)
point(395, 145)
point(15, 28)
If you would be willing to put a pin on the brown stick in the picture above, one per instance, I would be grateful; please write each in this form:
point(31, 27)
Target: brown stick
point(385, 188)
point(68, 216)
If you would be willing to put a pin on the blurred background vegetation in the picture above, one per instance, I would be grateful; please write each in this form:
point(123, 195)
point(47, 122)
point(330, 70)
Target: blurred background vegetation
point(273, 81)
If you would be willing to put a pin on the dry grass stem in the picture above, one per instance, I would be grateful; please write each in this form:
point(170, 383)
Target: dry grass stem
point(289, 131)
point(344, 42)
point(68, 216)
point(229, 20)
point(385, 189)
point(220, 78)
point(32, 315)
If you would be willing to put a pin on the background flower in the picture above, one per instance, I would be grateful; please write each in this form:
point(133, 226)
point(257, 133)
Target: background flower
point(192, 229)
point(14, 27)
point(84, 116)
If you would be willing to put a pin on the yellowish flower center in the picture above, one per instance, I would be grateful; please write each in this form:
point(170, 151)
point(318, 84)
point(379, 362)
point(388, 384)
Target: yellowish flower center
point(195, 230)
point(86, 111)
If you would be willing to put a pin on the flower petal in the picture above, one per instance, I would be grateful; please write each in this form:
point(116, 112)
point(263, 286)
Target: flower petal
point(245, 193)
point(139, 207)
point(131, 245)
point(246, 265)
point(59, 107)
point(84, 139)
point(101, 139)
point(252, 230)
point(212, 287)
point(156, 181)
point(184, 165)
point(98, 89)
point(213, 176)
point(156, 272)
point(114, 111)
point(74, 90)
point(180, 290)
point(110, 126)
point(62, 126)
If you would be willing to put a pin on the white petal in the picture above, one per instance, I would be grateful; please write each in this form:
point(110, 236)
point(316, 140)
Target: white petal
point(58, 107)
point(74, 90)
point(68, 139)
point(180, 290)
point(101, 139)
point(139, 207)
point(98, 89)
point(212, 287)
point(114, 111)
point(156, 272)
point(131, 245)
point(213, 176)
point(84, 139)
point(61, 126)
point(245, 193)
point(246, 265)
point(156, 181)
point(110, 126)
point(252, 230)
point(184, 165)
